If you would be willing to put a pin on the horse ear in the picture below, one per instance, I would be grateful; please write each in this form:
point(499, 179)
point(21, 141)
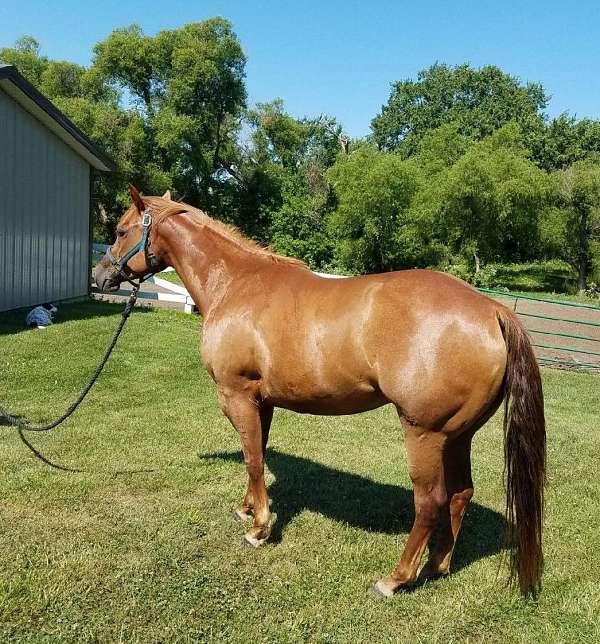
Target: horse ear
point(135, 197)
point(167, 195)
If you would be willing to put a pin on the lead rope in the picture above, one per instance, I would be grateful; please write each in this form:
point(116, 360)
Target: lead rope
point(24, 427)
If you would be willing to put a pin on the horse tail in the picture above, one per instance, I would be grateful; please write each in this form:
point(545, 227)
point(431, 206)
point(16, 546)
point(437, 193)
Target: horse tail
point(524, 455)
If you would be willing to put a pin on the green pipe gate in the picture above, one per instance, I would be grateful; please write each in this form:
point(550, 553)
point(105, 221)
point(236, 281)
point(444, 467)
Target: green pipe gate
point(565, 334)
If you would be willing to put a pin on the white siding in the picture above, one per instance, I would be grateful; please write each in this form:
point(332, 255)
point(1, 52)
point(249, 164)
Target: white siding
point(44, 213)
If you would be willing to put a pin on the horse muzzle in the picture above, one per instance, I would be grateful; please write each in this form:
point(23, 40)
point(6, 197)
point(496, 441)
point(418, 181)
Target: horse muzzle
point(107, 279)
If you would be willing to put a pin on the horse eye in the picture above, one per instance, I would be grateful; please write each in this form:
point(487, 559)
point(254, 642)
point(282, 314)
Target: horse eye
point(121, 233)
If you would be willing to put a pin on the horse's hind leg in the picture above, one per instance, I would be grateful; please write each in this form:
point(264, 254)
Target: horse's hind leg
point(426, 468)
point(459, 488)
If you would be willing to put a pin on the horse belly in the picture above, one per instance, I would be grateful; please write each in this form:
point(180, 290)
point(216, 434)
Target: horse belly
point(317, 362)
point(334, 405)
point(338, 396)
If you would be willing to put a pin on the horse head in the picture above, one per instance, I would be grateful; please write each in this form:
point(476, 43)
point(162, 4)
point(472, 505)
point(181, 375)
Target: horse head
point(130, 256)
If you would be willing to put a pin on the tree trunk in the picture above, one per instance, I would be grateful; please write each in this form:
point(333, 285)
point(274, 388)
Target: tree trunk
point(477, 263)
point(582, 276)
point(583, 260)
point(148, 101)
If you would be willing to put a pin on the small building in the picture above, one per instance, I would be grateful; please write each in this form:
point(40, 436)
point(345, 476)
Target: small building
point(46, 170)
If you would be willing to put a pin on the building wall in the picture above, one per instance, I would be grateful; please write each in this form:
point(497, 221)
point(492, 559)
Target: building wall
point(44, 213)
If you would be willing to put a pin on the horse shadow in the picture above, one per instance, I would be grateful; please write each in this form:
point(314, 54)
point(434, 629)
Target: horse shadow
point(301, 484)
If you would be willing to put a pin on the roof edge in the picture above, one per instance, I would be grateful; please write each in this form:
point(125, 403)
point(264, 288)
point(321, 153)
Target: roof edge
point(11, 73)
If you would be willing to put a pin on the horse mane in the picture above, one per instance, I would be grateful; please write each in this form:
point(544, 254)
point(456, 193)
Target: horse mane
point(229, 232)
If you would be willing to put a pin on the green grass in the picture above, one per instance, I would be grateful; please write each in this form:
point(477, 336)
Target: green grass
point(581, 299)
point(551, 276)
point(155, 557)
point(170, 276)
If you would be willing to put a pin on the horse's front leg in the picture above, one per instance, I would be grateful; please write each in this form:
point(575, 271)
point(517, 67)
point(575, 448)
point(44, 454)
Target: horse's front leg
point(245, 510)
point(245, 413)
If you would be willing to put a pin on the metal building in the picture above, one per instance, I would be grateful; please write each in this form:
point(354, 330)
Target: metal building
point(46, 169)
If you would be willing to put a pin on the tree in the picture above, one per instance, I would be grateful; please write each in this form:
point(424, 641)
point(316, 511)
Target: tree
point(131, 60)
point(571, 229)
point(372, 224)
point(189, 86)
point(478, 101)
point(178, 128)
point(566, 140)
point(486, 205)
point(441, 148)
point(282, 194)
point(298, 225)
point(282, 139)
point(277, 137)
point(25, 56)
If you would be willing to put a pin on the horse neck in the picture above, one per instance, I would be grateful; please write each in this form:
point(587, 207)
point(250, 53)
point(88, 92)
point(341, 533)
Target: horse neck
point(206, 261)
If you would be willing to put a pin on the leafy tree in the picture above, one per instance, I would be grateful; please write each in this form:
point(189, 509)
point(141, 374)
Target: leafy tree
point(571, 229)
point(454, 176)
point(25, 56)
point(441, 148)
point(61, 79)
point(478, 101)
point(130, 59)
point(298, 225)
point(283, 196)
point(566, 140)
point(277, 137)
point(281, 139)
point(189, 85)
point(178, 130)
point(487, 204)
point(371, 225)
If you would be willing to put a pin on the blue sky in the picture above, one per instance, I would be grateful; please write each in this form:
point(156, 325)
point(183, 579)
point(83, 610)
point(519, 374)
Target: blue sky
point(339, 58)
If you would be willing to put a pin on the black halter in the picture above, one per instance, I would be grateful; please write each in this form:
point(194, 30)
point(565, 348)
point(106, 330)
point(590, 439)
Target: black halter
point(140, 247)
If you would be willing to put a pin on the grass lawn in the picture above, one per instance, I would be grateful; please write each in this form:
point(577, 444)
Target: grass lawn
point(542, 276)
point(170, 276)
point(154, 556)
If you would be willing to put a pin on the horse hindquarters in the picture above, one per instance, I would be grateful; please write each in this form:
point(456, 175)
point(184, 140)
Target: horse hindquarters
point(441, 406)
point(439, 465)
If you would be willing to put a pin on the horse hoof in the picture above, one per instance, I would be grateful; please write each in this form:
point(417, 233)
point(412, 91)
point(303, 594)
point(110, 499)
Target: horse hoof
point(252, 542)
point(431, 574)
point(240, 516)
point(381, 591)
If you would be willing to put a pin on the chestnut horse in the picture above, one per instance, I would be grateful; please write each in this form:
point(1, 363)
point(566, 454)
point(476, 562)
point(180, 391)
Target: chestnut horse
point(277, 335)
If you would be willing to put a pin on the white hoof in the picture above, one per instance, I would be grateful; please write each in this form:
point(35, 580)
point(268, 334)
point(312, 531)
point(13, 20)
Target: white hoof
point(380, 589)
point(238, 515)
point(253, 542)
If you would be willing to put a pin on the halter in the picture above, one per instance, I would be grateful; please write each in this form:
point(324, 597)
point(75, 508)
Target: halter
point(140, 247)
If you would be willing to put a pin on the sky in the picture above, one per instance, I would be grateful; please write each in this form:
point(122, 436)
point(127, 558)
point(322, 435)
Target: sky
point(339, 58)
